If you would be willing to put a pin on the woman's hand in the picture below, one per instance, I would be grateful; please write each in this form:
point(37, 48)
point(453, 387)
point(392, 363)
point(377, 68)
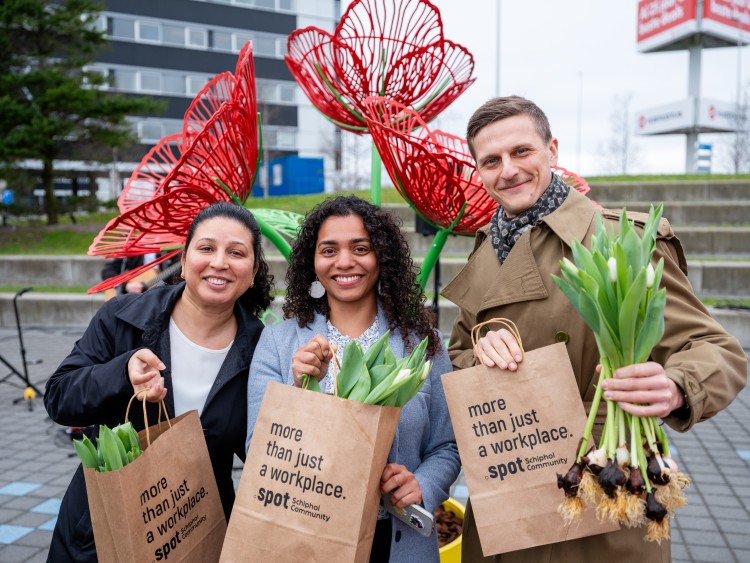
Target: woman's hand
point(499, 348)
point(144, 372)
point(312, 359)
point(402, 485)
point(643, 390)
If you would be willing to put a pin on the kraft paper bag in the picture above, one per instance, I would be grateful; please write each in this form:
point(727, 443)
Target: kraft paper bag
point(515, 431)
point(310, 487)
point(165, 505)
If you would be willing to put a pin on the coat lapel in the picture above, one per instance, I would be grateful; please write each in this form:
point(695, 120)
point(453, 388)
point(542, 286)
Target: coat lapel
point(477, 287)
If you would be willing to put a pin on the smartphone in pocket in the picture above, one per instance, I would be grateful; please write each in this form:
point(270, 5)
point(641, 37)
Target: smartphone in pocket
point(413, 515)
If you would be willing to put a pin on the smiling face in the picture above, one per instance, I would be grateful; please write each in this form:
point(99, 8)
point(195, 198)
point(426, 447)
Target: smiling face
point(345, 261)
point(514, 162)
point(219, 264)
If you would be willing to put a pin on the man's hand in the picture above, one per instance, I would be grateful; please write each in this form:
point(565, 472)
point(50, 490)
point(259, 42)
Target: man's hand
point(144, 372)
point(312, 359)
point(644, 390)
point(499, 348)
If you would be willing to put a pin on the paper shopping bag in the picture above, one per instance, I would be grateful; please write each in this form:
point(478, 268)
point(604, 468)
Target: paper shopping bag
point(515, 431)
point(163, 506)
point(310, 487)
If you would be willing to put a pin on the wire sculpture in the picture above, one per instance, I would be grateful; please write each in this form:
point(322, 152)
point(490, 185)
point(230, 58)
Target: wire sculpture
point(389, 48)
point(215, 158)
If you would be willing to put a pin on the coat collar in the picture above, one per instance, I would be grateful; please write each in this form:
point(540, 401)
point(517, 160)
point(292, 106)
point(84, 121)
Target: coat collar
point(151, 311)
point(319, 326)
point(520, 272)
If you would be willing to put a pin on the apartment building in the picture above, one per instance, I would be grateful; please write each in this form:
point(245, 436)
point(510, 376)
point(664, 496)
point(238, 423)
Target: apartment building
point(169, 49)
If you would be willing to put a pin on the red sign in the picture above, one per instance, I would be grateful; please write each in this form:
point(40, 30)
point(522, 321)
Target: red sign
point(728, 12)
point(658, 16)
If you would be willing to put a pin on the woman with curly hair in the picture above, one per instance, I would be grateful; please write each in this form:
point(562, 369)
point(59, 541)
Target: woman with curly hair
point(352, 278)
point(189, 344)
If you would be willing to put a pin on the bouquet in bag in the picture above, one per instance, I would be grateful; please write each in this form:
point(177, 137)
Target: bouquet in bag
point(629, 477)
point(115, 448)
point(376, 377)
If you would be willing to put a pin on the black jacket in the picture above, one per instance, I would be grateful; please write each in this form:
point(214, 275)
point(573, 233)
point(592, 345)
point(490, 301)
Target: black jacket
point(91, 387)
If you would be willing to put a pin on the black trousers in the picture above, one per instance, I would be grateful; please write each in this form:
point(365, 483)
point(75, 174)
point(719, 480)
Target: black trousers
point(381, 543)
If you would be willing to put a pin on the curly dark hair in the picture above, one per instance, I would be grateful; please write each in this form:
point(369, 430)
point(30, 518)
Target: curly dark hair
point(257, 298)
point(400, 294)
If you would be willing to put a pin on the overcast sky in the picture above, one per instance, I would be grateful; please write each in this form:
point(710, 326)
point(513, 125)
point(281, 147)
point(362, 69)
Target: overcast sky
point(546, 44)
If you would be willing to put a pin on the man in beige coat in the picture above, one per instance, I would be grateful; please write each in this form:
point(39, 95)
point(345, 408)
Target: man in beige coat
point(694, 372)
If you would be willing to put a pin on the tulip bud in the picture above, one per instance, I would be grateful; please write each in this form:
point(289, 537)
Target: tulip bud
point(612, 263)
point(400, 376)
point(426, 370)
point(650, 275)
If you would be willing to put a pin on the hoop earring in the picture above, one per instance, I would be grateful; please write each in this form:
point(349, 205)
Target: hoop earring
point(316, 289)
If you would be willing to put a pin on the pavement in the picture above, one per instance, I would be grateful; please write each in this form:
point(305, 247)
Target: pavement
point(38, 463)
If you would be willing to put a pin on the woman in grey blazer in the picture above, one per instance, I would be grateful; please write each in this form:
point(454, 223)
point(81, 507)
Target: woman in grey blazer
point(352, 278)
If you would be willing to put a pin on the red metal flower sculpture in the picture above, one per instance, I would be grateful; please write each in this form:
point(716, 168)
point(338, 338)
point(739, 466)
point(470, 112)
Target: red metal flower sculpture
point(434, 172)
point(214, 159)
point(391, 48)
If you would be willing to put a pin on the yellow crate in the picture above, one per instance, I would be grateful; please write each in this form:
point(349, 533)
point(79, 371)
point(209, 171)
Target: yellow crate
point(451, 553)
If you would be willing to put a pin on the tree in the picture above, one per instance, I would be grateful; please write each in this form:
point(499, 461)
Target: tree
point(49, 99)
point(619, 151)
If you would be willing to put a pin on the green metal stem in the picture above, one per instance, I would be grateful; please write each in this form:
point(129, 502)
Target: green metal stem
point(436, 248)
point(375, 177)
point(276, 238)
point(431, 258)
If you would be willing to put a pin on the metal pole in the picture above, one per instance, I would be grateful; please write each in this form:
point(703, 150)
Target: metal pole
point(579, 118)
point(497, 50)
point(694, 92)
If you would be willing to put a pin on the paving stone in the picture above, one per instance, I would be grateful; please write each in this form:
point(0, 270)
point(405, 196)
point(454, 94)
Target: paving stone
point(738, 541)
point(691, 523)
point(37, 538)
point(17, 553)
point(22, 503)
point(732, 526)
point(31, 519)
point(712, 554)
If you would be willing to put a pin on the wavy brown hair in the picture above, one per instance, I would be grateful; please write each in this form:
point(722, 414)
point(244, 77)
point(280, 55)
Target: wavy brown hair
point(401, 297)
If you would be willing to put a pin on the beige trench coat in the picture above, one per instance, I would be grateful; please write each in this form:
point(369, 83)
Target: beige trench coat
point(697, 353)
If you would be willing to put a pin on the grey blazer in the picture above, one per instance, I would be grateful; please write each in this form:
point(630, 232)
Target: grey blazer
point(424, 440)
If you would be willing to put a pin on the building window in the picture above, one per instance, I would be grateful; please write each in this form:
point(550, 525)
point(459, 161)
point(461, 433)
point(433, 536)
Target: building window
point(148, 31)
point(287, 94)
point(286, 5)
point(222, 40)
point(126, 80)
point(265, 47)
point(173, 34)
point(122, 28)
point(151, 82)
point(150, 131)
point(174, 84)
point(197, 37)
point(195, 84)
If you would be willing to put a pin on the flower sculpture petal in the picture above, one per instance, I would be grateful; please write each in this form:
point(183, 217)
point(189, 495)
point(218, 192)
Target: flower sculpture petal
point(214, 159)
point(391, 48)
point(432, 170)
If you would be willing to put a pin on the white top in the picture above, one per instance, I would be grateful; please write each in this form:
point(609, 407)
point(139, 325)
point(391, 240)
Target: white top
point(194, 370)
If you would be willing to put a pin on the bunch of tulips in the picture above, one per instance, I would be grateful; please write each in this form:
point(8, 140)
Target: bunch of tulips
point(376, 377)
point(115, 448)
point(629, 477)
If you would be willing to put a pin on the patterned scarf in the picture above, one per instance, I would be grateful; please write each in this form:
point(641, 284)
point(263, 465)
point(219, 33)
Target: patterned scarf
point(504, 231)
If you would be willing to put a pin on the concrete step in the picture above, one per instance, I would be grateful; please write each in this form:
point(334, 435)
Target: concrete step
point(687, 214)
point(48, 309)
point(683, 213)
point(702, 190)
point(719, 279)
